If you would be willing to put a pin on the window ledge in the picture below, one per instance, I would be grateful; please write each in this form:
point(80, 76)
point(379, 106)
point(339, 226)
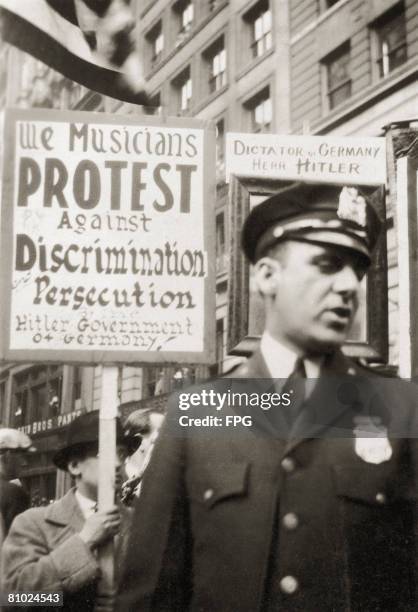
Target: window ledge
point(366, 98)
point(325, 14)
point(314, 24)
point(203, 103)
point(254, 62)
point(148, 7)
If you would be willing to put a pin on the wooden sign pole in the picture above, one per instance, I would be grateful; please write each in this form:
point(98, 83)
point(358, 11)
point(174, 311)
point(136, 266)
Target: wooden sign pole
point(107, 465)
point(407, 238)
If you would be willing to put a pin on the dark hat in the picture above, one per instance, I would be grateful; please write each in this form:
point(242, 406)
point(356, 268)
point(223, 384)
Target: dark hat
point(84, 432)
point(315, 212)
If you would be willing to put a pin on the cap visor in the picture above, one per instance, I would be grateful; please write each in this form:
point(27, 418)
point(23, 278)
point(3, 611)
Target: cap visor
point(336, 238)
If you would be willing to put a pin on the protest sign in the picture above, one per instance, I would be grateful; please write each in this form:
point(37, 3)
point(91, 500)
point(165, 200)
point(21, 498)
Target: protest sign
point(107, 238)
point(327, 159)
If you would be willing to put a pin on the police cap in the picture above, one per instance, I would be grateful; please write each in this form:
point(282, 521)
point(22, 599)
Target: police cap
point(313, 212)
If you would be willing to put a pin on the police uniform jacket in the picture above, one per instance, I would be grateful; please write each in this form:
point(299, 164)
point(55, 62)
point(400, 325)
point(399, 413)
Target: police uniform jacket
point(319, 520)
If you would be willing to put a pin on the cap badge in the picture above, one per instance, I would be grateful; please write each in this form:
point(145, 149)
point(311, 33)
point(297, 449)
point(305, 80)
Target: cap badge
point(372, 443)
point(352, 206)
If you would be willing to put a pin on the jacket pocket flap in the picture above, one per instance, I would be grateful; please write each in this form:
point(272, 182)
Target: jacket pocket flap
point(217, 482)
point(370, 484)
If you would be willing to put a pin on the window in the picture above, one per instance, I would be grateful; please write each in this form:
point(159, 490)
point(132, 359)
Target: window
point(186, 94)
point(158, 45)
point(262, 115)
point(338, 80)
point(220, 150)
point(39, 401)
point(36, 394)
point(215, 58)
point(391, 41)
point(218, 71)
point(183, 86)
point(153, 381)
point(221, 259)
point(216, 368)
point(259, 20)
point(261, 110)
point(76, 391)
point(185, 11)
point(21, 414)
point(187, 17)
point(155, 39)
point(220, 143)
point(262, 34)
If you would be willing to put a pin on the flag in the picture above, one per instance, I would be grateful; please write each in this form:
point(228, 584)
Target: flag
point(88, 41)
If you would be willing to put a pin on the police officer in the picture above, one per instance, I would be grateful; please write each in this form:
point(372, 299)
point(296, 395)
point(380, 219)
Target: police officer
point(314, 508)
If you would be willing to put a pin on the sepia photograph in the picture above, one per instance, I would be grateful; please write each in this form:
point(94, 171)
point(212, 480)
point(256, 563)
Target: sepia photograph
point(209, 305)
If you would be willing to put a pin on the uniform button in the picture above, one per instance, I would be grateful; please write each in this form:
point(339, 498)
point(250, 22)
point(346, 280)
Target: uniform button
point(208, 494)
point(290, 521)
point(289, 585)
point(288, 465)
point(380, 498)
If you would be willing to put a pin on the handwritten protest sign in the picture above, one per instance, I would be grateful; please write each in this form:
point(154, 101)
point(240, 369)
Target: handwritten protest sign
point(107, 235)
point(327, 159)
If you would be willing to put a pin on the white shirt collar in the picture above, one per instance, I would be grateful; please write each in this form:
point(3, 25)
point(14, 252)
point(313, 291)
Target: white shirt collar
point(280, 360)
point(87, 506)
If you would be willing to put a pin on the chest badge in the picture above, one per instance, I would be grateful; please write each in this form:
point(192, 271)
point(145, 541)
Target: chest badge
point(371, 442)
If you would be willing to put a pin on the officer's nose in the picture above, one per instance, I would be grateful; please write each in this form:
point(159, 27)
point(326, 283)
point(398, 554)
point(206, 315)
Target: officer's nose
point(346, 281)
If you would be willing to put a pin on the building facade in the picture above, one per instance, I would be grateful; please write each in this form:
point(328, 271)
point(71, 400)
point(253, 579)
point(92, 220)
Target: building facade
point(354, 71)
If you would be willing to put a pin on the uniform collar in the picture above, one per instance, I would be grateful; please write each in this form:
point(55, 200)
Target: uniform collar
point(280, 360)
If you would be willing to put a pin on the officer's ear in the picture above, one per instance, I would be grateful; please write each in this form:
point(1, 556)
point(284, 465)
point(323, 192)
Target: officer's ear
point(266, 272)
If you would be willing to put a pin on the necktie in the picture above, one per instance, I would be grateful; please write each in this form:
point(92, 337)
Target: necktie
point(295, 386)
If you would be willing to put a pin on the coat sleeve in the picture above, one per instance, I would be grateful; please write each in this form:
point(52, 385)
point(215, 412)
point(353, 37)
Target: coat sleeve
point(156, 570)
point(29, 565)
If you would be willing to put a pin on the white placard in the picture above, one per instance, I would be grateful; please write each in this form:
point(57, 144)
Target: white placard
point(327, 159)
point(109, 249)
